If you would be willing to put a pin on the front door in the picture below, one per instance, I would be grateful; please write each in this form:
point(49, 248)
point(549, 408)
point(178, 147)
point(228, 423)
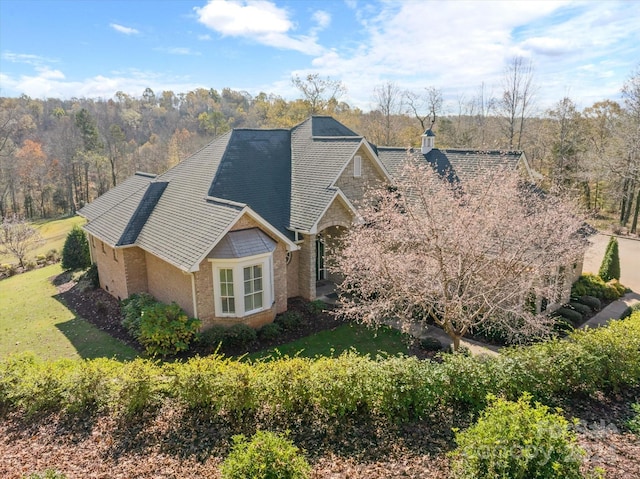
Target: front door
point(320, 271)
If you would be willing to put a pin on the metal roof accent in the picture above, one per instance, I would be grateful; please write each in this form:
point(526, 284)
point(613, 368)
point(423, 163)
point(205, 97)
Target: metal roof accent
point(243, 243)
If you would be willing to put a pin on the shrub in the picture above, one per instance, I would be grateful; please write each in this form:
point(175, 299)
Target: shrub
point(634, 423)
point(610, 268)
point(75, 252)
point(562, 326)
point(583, 309)
point(213, 337)
point(132, 312)
point(92, 276)
point(270, 331)
point(315, 307)
point(430, 344)
point(591, 301)
point(290, 320)
point(592, 285)
point(165, 329)
point(265, 456)
point(53, 256)
point(574, 316)
point(48, 474)
point(515, 439)
point(240, 335)
point(41, 259)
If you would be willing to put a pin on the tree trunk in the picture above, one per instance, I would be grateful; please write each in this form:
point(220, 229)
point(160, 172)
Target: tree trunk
point(630, 191)
point(456, 342)
point(634, 225)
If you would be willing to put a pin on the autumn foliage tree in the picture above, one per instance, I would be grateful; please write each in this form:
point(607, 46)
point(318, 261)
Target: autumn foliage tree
point(462, 255)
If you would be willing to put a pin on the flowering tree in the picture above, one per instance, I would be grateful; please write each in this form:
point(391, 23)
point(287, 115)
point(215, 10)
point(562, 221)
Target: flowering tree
point(463, 255)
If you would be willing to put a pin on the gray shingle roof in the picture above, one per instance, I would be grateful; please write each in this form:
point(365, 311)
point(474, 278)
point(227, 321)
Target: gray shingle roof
point(285, 176)
point(317, 162)
point(458, 164)
point(109, 217)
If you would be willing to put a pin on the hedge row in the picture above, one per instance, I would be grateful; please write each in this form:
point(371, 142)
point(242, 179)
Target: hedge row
point(397, 388)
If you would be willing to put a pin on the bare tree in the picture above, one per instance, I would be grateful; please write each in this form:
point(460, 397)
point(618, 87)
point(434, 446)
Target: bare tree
point(427, 107)
point(318, 92)
point(464, 256)
point(17, 238)
point(517, 99)
point(388, 102)
point(631, 185)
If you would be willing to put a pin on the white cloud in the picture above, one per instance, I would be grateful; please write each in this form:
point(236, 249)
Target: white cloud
point(322, 18)
point(204, 38)
point(456, 46)
point(53, 84)
point(29, 59)
point(182, 51)
point(123, 29)
point(259, 20)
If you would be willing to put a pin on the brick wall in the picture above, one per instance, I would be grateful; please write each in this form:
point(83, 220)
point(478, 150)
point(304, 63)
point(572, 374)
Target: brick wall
point(167, 283)
point(111, 269)
point(135, 270)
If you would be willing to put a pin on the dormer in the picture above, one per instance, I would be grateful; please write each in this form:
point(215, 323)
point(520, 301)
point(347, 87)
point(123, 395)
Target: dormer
point(428, 140)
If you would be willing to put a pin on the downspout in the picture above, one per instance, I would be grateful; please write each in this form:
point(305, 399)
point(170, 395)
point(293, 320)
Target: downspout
point(193, 295)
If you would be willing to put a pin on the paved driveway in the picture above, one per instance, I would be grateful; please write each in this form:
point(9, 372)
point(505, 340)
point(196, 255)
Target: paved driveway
point(629, 259)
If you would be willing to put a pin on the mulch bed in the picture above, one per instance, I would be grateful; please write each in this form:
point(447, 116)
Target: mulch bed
point(172, 445)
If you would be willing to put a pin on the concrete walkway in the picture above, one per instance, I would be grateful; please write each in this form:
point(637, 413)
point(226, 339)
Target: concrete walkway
point(612, 311)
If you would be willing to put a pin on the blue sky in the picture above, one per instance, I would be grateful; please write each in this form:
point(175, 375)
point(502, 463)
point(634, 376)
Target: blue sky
point(93, 48)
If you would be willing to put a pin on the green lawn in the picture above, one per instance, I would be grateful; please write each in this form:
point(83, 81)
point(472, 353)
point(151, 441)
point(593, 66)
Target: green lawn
point(54, 233)
point(32, 319)
point(333, 342)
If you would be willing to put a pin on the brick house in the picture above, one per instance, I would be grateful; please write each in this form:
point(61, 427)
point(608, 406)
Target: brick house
point(245, 223)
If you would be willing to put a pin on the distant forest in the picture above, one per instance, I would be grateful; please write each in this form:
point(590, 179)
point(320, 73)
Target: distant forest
point(57, 155)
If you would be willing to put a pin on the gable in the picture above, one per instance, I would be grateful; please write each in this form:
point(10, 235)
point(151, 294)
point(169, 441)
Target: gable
point(371, 174)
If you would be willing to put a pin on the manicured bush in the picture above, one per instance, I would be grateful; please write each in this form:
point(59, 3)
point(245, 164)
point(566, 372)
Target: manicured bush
point(591, 301)
point(289, 320)
point(75, 252)
point(213, 337)
point(610, 268)
point(240, 335)
point(583, 309)
point(165, 329)
point(592, 285)
point(265, 456)
point(132, 312)
point(269, 331)
point(573, 316)
point(562, 326)
point(516, 439)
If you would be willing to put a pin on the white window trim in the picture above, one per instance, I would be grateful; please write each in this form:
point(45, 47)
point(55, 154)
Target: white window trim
point(238, 265)
point(357, 166)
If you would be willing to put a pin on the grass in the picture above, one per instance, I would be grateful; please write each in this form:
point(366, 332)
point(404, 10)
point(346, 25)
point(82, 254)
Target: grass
point(33, 319)
point(383, 341)
point(54, 233)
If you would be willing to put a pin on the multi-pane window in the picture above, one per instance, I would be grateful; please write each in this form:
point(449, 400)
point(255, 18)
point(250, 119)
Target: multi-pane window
point(252, 288)
point(226, 291)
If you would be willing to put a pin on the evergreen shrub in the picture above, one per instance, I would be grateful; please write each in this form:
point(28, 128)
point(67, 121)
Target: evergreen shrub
point(610, 267)
point(75, 252)
point(591, 301)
